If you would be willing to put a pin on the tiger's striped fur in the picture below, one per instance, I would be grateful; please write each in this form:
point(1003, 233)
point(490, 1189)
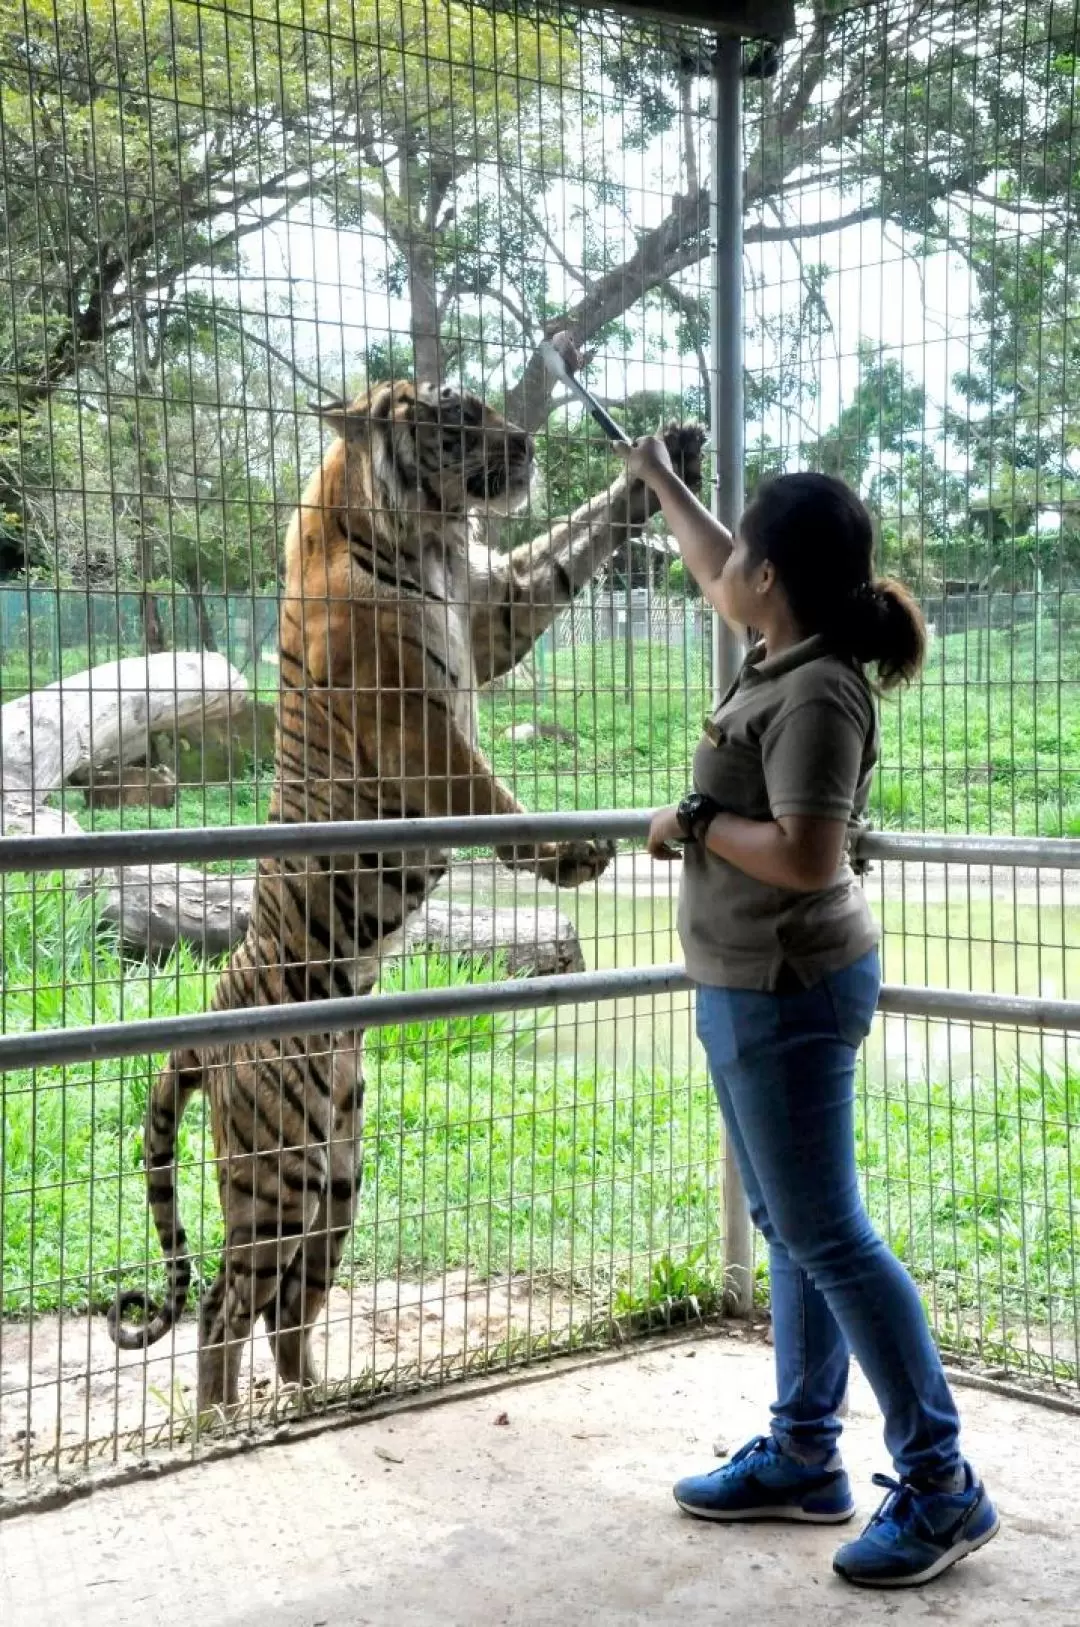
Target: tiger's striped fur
point(390, 618)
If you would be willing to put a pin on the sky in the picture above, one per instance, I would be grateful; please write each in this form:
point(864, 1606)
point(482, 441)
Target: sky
point(878, 290)
point(918, 309)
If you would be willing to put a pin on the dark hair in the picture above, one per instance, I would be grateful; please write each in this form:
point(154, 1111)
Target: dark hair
point(819, 538)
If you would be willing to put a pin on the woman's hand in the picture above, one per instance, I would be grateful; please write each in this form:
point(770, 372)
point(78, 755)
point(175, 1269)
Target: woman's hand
point(647, 459)
point(664, 834)
point(703, 542)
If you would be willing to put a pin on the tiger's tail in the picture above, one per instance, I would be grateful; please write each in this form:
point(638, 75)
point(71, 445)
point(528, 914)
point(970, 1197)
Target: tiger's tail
point(182, 1076)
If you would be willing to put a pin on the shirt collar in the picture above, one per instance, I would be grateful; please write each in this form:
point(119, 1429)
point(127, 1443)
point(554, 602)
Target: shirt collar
point(759, 667)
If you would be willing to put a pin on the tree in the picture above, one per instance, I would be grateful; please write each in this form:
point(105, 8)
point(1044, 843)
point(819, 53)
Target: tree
point(1019, 430)
point(469, 148)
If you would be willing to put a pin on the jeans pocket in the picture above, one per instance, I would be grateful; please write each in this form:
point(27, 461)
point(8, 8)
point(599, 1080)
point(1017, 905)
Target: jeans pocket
point(853, 994)
point(733, 1023)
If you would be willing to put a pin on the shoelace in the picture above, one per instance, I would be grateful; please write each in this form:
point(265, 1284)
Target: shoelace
point(760, 1445)
point(900, 1508)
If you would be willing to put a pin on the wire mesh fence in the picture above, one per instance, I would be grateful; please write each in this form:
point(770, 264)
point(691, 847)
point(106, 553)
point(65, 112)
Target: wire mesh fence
point(220, 226)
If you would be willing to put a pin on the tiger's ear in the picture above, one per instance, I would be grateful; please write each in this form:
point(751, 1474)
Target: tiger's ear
point(346, 420)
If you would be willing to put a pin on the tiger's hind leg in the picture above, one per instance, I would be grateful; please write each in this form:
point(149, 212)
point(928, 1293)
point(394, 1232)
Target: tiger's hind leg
point(259, 1250)
point(292, 1313)
point(270, 1196)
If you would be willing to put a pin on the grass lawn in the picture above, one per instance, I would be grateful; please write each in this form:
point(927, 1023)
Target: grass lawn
point(487, 1150)
point(988, 741)
point(482, 1152)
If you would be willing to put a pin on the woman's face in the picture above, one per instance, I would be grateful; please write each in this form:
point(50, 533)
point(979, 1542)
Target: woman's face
point(745, 589)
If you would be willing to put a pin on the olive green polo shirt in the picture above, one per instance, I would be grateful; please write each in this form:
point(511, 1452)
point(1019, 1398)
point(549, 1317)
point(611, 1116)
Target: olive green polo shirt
point(795, 734)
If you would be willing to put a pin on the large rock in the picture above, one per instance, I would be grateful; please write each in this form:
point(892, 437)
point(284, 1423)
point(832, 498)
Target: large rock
point(154, 908)
point(108, 714)
point(97, 722)
point(531, 942)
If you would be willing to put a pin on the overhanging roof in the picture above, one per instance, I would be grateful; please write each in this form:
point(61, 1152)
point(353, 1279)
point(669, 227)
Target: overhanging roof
point(752, 19)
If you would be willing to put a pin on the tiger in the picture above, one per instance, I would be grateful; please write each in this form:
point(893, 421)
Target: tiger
point(392, 613)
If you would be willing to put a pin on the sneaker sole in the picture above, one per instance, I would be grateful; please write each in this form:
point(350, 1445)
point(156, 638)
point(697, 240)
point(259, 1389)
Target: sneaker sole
point(953, 1557)
point(789, 1515)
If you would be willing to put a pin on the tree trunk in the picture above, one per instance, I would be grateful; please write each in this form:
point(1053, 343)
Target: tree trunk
point(153, 631)
point(156, 907)
point(207, 636)
point(424, 321)
point(149, 456)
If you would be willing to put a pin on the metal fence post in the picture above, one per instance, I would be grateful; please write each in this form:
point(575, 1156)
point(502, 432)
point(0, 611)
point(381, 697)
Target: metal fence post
point(726, 198)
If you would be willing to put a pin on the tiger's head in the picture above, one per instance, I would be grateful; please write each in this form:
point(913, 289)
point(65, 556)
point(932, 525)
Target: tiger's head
point(437, 450)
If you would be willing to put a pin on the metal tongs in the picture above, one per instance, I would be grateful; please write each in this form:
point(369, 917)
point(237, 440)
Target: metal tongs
point(556, 364)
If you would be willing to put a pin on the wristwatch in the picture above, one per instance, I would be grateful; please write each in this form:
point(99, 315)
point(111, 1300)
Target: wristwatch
point(695, 814)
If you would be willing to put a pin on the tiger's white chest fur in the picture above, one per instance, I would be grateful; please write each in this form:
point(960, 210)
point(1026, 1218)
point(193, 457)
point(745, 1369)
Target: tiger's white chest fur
point(448, 613)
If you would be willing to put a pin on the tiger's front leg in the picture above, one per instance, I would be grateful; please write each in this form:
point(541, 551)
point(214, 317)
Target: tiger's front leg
point(563, 864)
point(458, 779)
point(516, 597)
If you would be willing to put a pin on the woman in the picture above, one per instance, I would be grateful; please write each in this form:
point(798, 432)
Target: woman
point(783, 951)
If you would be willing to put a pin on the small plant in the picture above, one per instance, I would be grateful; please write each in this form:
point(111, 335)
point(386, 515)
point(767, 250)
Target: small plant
point(673, 1288)
point(442, 1036)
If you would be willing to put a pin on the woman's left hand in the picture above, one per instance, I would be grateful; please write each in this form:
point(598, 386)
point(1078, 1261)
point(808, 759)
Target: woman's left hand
point(646, 459)
point(664, 834)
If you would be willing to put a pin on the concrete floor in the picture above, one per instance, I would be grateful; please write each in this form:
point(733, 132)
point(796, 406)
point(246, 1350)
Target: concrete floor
point(540, 1504)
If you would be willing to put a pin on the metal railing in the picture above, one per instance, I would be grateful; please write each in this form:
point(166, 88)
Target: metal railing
point(579, 167)
point(91, 851)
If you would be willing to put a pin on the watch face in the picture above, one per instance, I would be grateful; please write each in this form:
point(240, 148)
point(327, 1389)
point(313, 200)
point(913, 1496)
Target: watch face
point(688, 811)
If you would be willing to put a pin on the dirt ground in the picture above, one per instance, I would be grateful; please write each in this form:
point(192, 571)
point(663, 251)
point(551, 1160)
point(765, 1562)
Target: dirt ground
point(63, 1382)
point(542, 1503)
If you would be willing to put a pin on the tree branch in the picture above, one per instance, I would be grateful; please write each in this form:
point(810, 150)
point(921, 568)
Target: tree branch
point(572, 271)
point(228, 320)
point(679, 240)
point(691, 314)
point(790, 233)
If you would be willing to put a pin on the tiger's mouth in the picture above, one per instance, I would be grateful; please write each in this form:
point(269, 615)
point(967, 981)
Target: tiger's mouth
point(503, 484)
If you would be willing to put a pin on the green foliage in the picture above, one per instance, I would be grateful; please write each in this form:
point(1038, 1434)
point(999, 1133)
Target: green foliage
point(483, 1151)
point(178, 134)
point(687, 1285)
point(455, 1037)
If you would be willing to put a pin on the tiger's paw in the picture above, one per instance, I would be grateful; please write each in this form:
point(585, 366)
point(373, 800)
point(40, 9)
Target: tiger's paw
point(685, 444)
point(570, 864)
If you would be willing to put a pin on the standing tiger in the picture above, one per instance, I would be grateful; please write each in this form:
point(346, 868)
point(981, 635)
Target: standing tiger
point(390, 619)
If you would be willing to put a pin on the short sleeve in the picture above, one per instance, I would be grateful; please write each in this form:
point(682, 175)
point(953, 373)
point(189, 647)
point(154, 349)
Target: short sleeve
point(812, 757)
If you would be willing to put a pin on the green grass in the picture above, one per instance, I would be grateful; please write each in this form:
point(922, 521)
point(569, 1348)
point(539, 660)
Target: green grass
point(988, 741)
point(478, 1154)
point(472, 1154)
point(487, 1150)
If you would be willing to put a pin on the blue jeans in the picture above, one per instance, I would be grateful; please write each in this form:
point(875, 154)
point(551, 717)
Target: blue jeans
point(783, 1066)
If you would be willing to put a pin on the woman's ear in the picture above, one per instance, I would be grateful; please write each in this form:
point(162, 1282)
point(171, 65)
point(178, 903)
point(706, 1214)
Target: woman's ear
point(766, 577)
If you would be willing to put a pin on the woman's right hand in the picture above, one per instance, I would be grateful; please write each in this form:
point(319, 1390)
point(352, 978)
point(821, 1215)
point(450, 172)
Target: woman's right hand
point(665, 837)
point(647, 459)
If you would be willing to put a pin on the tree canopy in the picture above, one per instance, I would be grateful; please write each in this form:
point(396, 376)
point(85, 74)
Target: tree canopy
point(495, 172)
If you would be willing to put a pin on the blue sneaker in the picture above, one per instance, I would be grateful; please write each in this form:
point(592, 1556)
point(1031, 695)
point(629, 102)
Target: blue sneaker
point(761, 1483)
point(915, 1534)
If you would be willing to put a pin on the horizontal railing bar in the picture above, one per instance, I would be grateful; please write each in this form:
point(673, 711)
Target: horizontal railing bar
point(94, 850)
point(996, 1010)
point(1011, 852)
point(331, 1016)
point(61, 1046)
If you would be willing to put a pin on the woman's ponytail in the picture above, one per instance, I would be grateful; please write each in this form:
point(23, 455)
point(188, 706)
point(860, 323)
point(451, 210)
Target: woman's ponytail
point(882, 626)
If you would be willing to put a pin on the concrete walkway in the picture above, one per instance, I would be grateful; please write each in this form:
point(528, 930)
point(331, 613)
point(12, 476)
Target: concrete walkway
point(543, 1504)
